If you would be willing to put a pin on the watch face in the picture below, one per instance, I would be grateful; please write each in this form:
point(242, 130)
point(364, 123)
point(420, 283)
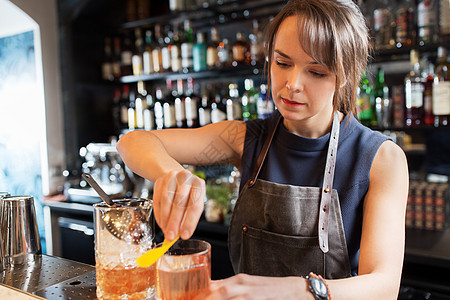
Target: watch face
point(319, 287)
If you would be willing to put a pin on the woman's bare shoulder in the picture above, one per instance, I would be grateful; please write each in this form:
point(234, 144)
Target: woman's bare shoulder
point(389, 166)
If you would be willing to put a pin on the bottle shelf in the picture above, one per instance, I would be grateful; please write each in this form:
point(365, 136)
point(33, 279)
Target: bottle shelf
point(226, 72)
point(422, 128)
point(402, 52)
point(212, 15)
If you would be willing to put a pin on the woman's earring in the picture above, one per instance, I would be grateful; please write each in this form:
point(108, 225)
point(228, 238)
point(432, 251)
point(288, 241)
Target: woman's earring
point(288, 87)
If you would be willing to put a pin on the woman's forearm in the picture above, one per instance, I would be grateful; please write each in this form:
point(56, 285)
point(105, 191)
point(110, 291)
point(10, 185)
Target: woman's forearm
point(145, 155)
point(369, 286)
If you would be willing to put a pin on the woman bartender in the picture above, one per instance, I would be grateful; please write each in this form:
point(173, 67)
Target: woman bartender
point(322, 202)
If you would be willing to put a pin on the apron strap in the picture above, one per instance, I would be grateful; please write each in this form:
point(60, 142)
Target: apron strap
point(263, 153)
point(327, 186)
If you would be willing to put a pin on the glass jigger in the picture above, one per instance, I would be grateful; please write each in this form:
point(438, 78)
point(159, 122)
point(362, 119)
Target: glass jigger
point(118, 275)
point(184, 271)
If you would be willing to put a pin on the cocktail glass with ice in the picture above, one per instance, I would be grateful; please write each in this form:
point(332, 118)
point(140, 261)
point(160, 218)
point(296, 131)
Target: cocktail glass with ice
point(184, 271)
point(118, 276)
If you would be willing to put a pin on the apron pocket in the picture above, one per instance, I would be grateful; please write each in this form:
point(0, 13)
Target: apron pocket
point(267, 253)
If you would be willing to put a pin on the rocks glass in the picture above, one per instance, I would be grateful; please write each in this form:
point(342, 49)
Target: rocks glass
point(184, 271)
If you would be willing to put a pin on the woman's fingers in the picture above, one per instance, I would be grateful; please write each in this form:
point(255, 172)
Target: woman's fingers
point(194, 209)
point(178, 199)
point(179, 204)
point(163, 193)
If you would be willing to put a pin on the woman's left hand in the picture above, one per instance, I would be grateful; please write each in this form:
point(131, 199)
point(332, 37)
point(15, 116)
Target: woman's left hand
point(243, 286)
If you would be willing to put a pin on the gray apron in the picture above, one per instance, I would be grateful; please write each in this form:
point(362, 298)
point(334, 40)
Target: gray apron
point(285, 230)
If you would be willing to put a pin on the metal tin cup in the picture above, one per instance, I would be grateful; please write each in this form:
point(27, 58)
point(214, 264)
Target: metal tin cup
point(123, 232)
point(2, 256)
point(19, 229)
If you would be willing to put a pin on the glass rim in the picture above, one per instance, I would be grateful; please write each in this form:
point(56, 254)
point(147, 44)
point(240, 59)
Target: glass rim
point(121, 201)
point(200, 252)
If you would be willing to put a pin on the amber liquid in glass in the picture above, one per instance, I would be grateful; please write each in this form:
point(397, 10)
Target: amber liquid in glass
point(120, 281)
point(183, 284)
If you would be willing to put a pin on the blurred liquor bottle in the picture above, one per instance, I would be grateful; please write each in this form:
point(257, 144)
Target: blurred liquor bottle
point(149, 112)
point(132, 111)
point(131, 10)
point(187, 46)
point(384, 24)
point(199, 53)
point(175, 51)
point(166, 49)
point(140, 104)
point(116, 110)
point(107, 65)
point(427, 21)
point(444, 20)
point(147, 60)
point(176, 5)
point(212, 51)
point(414, 89)
point(225, 53)
point(191, 102)
point(136, 59)
point(158, 108)
point(179, 104)
point(204, 110)
point(256, 44)
point(441, 89)
point(137, 10)
point(116, 57)
point(249, 108)
point(233, 103)
point(218, 107)
point(124, 103)
point(363, 107)
point(143, 9)
point(241, 50)
point(406, 23)
point(398, 106)
point(428, 80)
point(169, 105)
point(265, 106)
point(126, 65)
point(157, 50)
point(380, 101)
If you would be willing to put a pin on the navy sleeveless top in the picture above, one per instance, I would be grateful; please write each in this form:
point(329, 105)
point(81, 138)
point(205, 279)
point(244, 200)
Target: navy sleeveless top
point(300, 161)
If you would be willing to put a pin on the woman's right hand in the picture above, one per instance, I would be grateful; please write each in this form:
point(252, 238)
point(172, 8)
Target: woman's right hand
point(178, 202)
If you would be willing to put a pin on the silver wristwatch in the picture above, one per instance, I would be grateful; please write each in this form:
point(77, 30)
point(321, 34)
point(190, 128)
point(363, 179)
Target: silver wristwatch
point(317, 286)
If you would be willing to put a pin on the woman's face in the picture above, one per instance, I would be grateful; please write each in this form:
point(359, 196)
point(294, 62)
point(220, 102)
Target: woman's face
point(302, 89)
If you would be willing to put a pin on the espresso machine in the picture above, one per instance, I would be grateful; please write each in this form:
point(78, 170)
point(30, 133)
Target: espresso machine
point(103, 163)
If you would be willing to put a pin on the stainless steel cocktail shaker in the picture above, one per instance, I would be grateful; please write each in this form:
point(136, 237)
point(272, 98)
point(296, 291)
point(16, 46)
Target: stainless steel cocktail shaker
point(19, 229)
point(2, 256)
